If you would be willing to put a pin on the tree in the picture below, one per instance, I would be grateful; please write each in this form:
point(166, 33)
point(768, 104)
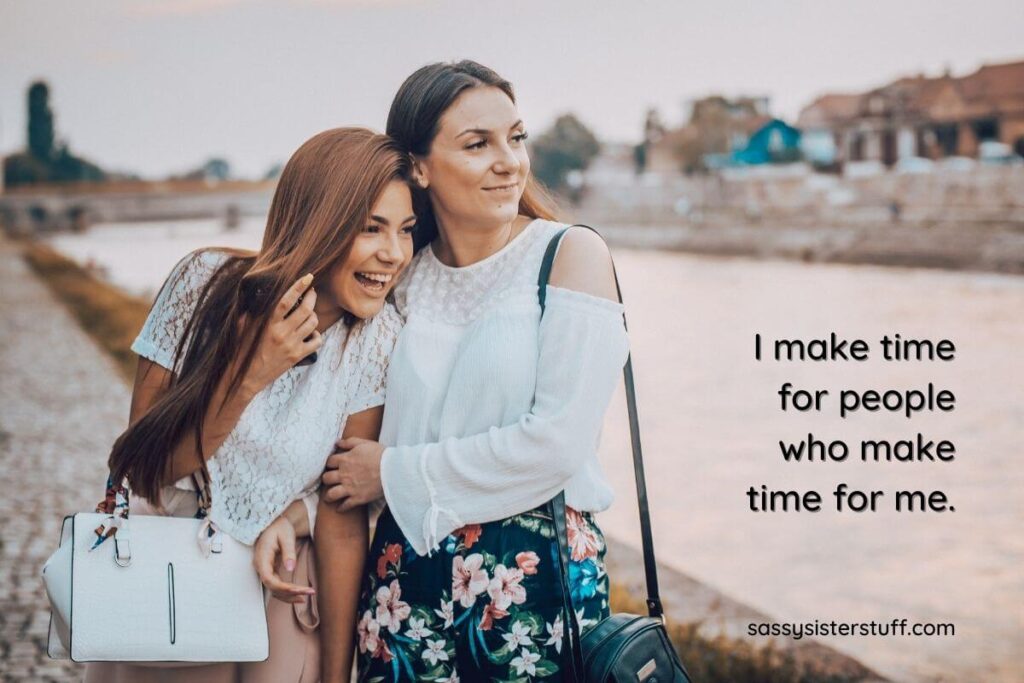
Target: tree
point(66, 167)
point(215, 169)
point(40, 122)
point(43, 162)
point(568, 145)
point(23, 168)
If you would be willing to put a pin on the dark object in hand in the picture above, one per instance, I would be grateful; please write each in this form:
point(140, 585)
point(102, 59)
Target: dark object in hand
point(254, 292)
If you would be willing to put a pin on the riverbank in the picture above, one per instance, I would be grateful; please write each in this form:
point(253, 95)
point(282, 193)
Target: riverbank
point(702, 619)
point(996, 248)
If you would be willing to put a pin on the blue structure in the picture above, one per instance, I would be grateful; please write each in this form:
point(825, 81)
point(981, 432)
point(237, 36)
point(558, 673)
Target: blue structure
point(774, 142)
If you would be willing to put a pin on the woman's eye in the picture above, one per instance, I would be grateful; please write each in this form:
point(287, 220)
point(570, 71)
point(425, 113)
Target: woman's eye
point(372, 228)
point(409, 229)
point(476, 145)
point(521, 136)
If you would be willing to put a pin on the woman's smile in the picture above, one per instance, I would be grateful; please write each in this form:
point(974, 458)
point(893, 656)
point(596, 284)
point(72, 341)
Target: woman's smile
point(374, 283)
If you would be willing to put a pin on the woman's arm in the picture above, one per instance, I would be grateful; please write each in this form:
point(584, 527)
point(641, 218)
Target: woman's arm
point(152, 381)
point(281, 346)
point(342, 539)
point(434, 488)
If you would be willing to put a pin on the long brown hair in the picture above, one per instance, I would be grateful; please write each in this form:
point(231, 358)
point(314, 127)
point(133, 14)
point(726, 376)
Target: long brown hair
point(323, 199)
point(415, 119)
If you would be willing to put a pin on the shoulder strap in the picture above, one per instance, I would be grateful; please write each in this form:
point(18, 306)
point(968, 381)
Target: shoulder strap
point(654, 607)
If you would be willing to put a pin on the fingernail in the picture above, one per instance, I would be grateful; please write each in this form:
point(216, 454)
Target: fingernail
point(307, 278)
point(289, 565)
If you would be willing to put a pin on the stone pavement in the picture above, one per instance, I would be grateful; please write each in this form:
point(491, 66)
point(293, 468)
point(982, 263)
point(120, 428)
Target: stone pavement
point(62, 403)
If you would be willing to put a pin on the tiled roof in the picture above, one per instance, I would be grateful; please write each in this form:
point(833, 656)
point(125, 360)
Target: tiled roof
point(992, 88)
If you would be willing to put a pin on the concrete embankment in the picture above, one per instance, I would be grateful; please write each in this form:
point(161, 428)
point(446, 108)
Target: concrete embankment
point(997, 249)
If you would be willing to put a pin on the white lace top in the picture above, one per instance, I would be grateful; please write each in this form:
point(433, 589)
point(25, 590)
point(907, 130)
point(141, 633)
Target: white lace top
point(492, 409)
point(278, 449)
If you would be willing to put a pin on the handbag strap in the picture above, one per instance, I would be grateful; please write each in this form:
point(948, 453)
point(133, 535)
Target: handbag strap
point(654, 607)
point(116, 505)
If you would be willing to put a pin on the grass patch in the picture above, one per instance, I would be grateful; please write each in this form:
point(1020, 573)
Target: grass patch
point(109, 315)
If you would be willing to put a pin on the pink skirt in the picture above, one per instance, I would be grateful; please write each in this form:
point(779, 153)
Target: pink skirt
point(294, 630)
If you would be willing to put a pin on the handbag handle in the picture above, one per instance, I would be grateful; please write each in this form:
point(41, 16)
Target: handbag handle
point(116, 504)
point(557, 504)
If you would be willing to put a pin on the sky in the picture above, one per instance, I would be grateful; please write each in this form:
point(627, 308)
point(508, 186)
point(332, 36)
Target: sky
point(159, 86)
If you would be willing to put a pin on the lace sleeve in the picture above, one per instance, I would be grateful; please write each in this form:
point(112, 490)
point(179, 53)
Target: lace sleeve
point(370, 361)
point(174, 306)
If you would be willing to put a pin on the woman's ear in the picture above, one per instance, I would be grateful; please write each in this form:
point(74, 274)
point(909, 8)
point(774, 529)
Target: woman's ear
point(419, 174)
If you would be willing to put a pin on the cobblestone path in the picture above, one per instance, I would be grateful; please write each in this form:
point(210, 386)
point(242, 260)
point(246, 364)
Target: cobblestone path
point(62, 403)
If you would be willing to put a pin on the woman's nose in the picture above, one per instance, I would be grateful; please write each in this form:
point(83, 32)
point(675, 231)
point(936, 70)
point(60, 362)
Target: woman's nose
point(507, 161)
point(391, 251)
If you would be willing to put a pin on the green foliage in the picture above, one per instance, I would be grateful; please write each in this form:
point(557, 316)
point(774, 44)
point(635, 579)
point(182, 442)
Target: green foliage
point(24, 169)
point(568, 145)
point(44, 162)
point(66, 167)
point(40, 122)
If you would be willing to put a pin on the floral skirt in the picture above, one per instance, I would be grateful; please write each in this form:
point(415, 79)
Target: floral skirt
point(486, 606)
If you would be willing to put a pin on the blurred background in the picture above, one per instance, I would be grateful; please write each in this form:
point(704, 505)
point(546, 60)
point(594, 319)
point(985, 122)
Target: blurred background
point(789, 168)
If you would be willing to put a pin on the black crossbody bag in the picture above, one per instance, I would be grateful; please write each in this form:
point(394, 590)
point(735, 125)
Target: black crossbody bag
point(623, 647)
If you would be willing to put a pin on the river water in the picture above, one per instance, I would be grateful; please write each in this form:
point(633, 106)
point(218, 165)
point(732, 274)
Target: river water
point(712, 424)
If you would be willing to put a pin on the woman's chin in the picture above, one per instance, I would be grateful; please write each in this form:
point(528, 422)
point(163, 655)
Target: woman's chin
point(504, 212)
point(365, 307)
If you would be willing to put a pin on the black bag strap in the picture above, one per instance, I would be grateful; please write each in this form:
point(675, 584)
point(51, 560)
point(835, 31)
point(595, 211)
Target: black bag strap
point(557, 504)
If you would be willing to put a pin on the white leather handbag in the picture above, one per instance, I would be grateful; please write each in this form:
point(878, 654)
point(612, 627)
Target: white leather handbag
point(162, 590)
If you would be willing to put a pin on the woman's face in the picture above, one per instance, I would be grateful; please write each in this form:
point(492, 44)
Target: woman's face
point(477, 167)
point(379, 254)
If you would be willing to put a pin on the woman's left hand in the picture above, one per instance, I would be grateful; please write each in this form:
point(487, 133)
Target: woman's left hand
point(353, 474)
point(274, 550)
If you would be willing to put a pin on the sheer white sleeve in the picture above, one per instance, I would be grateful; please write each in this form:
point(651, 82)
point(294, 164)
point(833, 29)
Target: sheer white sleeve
point(370, 360)
point(174, 307)
point(433, 489)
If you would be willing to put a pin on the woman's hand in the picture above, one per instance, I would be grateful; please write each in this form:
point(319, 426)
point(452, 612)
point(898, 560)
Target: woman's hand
point(278, 540)
point(283, 344)
point(353, 474)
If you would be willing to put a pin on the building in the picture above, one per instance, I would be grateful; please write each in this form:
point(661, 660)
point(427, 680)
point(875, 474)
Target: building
point(717, 127)
point(919, 117)
point(775, 142)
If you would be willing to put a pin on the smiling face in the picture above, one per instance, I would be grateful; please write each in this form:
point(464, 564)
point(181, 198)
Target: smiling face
point(380, 252)
point(477, 167)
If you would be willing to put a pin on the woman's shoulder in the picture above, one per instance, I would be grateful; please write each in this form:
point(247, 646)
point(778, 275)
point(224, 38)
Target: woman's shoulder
point(583, 263)
point(194, 270)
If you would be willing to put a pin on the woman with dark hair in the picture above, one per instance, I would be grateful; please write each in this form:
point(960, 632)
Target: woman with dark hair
point(492, 409)
point(230, 408)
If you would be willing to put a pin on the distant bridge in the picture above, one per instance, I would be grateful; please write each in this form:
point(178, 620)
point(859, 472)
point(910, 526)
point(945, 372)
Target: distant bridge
point(38, 209)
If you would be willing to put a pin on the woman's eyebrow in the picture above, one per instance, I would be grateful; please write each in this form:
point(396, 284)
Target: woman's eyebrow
point(385, 221)
point(485, 131)
point(474, 131)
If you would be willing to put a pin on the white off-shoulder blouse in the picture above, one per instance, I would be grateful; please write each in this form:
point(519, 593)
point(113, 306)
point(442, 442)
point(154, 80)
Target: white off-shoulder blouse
point(277, 451)
point(491, 409)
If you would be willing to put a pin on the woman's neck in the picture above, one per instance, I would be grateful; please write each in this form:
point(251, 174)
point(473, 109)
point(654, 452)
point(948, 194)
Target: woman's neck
point(327, 313)
point(458, 245)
